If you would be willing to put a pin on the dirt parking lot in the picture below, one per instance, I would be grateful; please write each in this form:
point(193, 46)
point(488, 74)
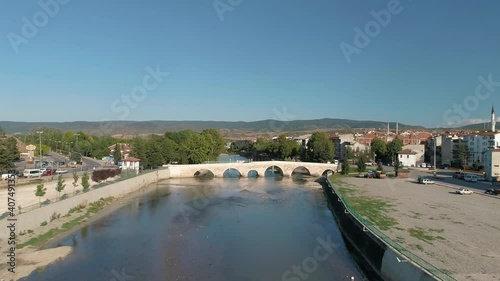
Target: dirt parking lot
point(459, 234)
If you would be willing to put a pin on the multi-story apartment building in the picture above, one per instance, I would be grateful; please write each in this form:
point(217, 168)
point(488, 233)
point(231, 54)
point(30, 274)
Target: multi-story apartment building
point(479, 143)
point(449, 149)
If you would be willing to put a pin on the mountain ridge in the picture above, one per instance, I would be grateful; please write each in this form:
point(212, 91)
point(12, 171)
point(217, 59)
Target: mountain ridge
point(162, 126)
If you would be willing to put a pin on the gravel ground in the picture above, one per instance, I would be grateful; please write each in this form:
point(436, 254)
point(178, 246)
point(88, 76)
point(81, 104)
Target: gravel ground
point(464, 230)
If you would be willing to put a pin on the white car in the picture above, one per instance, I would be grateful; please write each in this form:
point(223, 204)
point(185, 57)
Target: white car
point(427, 181)
point(61, 172)
point(464, 191)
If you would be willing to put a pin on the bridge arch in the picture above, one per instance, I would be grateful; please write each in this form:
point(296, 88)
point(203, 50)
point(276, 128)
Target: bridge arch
point(301, 170)
point(204, 174)
point(273, 171)
point(253, 174)
point(232, 173)
point(328, 172)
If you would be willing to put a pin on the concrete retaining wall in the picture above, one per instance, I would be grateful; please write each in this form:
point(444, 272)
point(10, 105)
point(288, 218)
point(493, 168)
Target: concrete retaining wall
point(378, 258)
point(33, 219)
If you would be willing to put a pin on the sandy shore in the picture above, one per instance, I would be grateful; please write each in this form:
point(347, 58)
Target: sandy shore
point(456, 233)
point(30, 259)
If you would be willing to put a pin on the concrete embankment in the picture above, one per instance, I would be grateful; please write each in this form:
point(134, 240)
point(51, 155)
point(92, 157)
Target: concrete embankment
point(33, 219)
point(377, 257)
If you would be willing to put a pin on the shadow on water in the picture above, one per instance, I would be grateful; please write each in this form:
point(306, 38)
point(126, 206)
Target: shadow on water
point(355, 254)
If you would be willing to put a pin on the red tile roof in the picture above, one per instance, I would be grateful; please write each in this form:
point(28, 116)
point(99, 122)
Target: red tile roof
point(131, 159)
point(407, 151)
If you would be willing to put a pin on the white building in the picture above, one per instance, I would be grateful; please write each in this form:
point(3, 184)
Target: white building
point(407, 158)
point(492, 163)
point(417, 148)
point(479, 143)
point(131, 163)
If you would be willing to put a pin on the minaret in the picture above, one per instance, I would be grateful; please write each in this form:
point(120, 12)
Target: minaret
point(493, 119)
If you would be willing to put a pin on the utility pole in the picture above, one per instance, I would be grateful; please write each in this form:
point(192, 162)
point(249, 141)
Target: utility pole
point(40, 135)
point(435, 139)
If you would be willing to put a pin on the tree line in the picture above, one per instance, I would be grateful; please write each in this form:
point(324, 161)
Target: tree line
point(8, 151)
point(184, 147)
point(319, 149)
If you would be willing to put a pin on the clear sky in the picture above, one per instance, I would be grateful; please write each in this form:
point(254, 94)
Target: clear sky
point(257, 60)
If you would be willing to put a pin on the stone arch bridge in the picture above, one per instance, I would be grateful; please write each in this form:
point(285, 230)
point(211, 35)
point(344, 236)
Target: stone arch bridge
point(218, 169)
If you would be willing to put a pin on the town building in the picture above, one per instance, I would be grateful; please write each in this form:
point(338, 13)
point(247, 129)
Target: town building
point(125, 149)
point(407, 158)
point(131, 163)
point(492, 164)
point(449, 149)
point(419, 149)
point(479, 143)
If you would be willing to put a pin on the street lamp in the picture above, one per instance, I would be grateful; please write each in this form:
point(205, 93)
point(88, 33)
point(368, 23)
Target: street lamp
point(40, 135)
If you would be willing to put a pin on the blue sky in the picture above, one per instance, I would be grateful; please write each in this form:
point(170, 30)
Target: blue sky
point(265, 59)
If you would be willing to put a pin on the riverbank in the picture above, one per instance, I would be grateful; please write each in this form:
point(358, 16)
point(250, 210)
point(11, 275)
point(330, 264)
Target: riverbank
point(452, 232)
point(31, 252)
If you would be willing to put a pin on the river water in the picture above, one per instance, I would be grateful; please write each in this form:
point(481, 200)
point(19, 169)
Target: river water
point(220, 229)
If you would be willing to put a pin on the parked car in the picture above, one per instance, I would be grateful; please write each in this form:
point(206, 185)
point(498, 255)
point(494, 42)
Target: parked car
point(464, 191)
point(427, 181)
point(492, 191)
point(7, 176)
point(61, 172)
point(49, 172)
point(470, 177)
point(369, 175)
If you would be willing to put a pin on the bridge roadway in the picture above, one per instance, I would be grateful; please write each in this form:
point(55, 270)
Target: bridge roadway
point(218, 169)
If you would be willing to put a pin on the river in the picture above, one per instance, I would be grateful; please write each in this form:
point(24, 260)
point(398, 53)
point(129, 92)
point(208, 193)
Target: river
point(220, 229)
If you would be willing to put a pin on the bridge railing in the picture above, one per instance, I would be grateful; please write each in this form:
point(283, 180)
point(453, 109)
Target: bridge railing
point(409, 255)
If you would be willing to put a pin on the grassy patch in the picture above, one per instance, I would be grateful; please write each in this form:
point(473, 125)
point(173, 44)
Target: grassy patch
point(373, 209)
point(417, 247)
point(426, 235)
point(93, 209)
point(400, 240)
point(416, 215)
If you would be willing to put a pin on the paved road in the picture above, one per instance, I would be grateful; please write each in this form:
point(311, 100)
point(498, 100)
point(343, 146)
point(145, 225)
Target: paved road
point(446, 177)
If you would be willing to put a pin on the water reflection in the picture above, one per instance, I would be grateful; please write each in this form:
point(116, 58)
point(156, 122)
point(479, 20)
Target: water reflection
point(222, 229)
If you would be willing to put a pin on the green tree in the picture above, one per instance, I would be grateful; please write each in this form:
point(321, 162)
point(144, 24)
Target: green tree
point(8, 153)
point(463, 152)
point(216, 143)
point(287, 148)
point(40, 192)
point(361, 162)
point(60, 185)
point(75, 180)
point(320, 148)
point(393, 148)
point(345, 166)
point(117, 154)
point(85, 182)
point(349, 153)
point(379, 148)
point(45, 149)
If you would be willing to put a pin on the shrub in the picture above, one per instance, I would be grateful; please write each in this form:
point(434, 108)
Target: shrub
point(43, 223)
point(54, 216)
point(104, 174)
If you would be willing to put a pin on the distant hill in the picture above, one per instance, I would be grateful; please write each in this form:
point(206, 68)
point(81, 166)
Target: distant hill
point(150, 127)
